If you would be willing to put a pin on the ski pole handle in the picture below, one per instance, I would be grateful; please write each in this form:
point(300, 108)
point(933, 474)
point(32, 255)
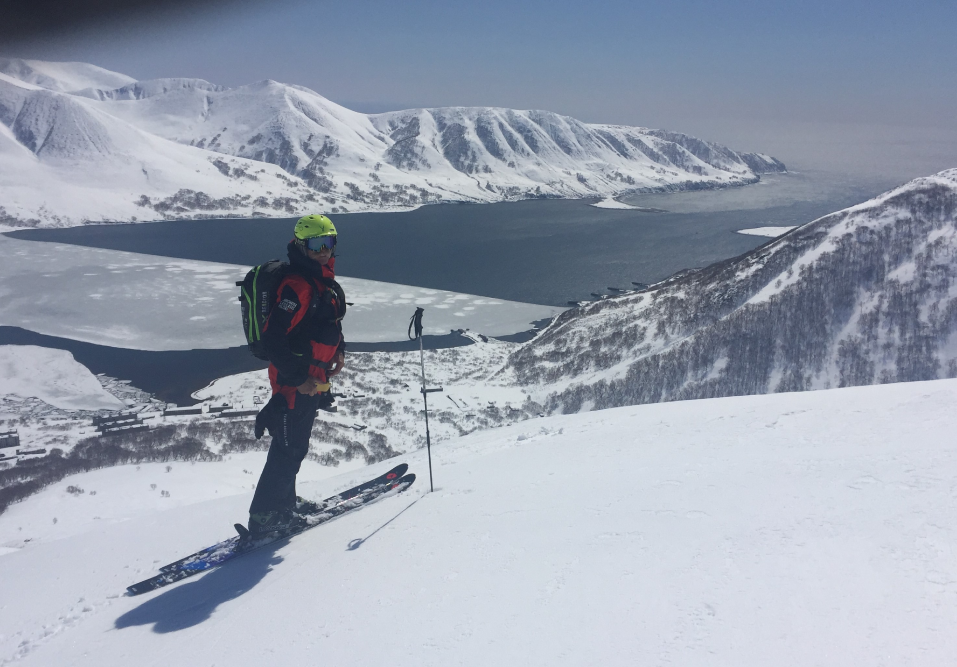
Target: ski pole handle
point(416, 323)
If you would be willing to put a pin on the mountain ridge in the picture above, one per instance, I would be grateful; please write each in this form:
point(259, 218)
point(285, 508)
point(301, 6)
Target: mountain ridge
point(316, 153)
point(861, 296)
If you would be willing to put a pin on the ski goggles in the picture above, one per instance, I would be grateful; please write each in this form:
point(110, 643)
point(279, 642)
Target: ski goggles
point(317, 243)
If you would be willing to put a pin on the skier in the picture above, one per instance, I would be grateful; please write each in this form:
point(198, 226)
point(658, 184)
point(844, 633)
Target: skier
point(304, 344)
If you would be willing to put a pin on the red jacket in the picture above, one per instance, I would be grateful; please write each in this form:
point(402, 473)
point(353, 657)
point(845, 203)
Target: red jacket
point(303, 333)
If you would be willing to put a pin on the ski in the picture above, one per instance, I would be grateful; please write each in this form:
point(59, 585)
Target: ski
point(243, 543)
point(331, 501)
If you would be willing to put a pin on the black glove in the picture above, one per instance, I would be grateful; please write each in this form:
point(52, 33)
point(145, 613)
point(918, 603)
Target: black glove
point(326, 400)
point(269, 414)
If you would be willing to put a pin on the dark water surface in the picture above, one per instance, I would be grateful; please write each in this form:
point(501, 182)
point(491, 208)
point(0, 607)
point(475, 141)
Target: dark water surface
point(542, 251)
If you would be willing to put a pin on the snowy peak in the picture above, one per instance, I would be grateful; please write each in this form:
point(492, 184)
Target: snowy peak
point(63, 77)
point(64, 160)
point(331, 156)
point(862, 296)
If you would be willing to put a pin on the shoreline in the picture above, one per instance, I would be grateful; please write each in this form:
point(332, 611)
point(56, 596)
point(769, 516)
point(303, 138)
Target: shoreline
point(675, 188)
point(174, 375)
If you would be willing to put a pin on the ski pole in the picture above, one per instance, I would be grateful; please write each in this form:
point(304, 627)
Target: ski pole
point(416, 324)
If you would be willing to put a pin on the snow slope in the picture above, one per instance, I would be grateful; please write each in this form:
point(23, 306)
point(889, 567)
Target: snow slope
point(54, 377)
point(270, 148)
point(64, 77)
point(864, 295)
point(788, 529)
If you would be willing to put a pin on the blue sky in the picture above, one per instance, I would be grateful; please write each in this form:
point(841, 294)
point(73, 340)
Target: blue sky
point(766, 76)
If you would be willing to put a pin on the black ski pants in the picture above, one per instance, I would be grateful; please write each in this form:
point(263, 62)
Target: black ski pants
point(290, 430)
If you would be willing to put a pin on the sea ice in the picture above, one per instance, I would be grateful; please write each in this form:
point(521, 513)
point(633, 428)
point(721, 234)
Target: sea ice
point(145, 302)
point(772, 232)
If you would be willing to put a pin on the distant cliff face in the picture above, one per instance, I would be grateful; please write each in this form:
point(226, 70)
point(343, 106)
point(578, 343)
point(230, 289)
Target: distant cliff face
point(862, 296)
point(188, 148)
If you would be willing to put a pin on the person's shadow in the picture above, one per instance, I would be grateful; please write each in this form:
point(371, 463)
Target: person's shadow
point(192, 603)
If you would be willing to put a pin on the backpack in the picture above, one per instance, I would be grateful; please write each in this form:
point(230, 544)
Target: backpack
point(259, 290)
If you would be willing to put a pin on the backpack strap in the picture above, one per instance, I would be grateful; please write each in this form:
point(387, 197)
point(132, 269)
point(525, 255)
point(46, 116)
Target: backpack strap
point(314, 282)
point(336, 288)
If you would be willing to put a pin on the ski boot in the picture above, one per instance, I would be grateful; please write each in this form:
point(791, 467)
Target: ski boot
point(262, 523)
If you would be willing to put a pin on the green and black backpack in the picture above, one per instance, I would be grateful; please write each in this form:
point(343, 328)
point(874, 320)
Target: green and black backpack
point(259, 290)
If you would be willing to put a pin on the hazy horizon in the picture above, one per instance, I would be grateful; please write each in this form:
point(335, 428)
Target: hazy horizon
point(852, 87)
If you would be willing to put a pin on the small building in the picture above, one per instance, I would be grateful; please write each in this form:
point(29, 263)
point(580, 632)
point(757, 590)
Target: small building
point(9, 439)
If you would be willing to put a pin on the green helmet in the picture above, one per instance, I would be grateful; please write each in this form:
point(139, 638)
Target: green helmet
point(311, 226)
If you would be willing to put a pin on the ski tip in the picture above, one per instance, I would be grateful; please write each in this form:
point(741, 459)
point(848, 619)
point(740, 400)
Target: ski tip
point(139, 588)
point(396, 472)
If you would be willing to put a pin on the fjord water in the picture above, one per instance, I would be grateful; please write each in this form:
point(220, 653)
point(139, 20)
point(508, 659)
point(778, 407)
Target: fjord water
point(541, 251)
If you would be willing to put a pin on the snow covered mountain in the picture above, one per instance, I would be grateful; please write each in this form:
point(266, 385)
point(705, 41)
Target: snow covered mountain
point(79, 143)
point(862, 296)
point(63, 77)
